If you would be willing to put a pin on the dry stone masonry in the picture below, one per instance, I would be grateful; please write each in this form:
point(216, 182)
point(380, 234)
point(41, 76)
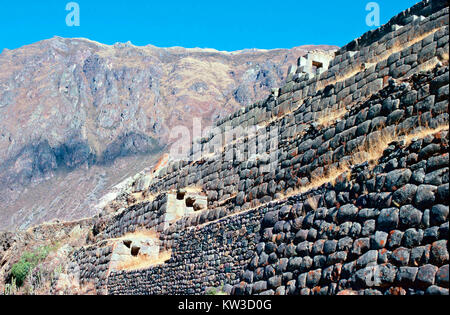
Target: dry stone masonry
point(329, 216)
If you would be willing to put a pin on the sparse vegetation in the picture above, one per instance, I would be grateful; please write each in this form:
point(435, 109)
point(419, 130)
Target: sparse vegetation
point(215, 291)
point(428, 65)
point(19, 271)
point(371, 151)
point(424, 132)
point(28, 261)
point(141, 233)
point(194, 189)
point(139, 197)
point(343, 76)
point(330, 176)
point(144, 262)
point(330, 116)
point(10, 288)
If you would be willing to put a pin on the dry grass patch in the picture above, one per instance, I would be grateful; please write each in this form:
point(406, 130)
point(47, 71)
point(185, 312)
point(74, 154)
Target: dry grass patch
point(399, 47)
point(329, 116)
point(224, 201)
point(282, 115)
point(344, 76)
point(196, 189)
point(139, 197)
point(424, 132)
point(142, 262)
point(331, 175)
point(372, 151)
point(428, 65)
point(313, 202)
point(143, 233)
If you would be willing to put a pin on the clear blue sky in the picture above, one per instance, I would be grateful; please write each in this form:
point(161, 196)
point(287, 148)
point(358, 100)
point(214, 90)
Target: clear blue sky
point(224, 24)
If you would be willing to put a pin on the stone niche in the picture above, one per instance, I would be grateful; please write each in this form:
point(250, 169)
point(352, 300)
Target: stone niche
point(133, 246)
point(314, 63)
point(182, 203)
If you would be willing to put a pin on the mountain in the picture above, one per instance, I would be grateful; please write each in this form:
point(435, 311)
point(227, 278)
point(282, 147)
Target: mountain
point(78, 117)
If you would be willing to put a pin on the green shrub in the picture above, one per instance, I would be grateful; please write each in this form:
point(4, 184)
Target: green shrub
point(214, 291)
point(19, 271)
point(28, 262)
point(211, 291)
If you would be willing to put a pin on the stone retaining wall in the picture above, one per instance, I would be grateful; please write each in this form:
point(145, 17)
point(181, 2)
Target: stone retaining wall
point(91, 264)
point(376, 231)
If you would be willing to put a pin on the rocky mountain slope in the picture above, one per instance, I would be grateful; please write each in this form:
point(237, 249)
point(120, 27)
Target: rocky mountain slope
point(77, 117)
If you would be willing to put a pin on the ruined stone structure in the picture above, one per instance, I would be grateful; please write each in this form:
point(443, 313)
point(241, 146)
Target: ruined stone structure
point(330, 216)
point(314, 64)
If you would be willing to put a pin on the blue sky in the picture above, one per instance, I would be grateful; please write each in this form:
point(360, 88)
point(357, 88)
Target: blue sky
point(224, 25)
